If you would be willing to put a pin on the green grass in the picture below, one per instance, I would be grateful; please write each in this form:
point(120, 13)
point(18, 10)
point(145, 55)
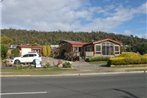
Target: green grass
point(36, 71)
point(98, 62)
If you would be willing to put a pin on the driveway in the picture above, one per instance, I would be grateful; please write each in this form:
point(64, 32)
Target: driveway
point(81, 66)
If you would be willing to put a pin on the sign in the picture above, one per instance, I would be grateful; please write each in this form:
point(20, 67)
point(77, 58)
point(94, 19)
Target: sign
point(38, 65)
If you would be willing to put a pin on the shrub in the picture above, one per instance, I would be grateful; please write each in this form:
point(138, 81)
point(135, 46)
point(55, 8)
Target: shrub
point(129, 54)
point(98, 58)
point(46, 50)
point(4, 50)
point(15, 52)
point(47, 65)
point(67, 65)
point(133, 60)
point(144, 59)
point(117, 61)
point(128, 58)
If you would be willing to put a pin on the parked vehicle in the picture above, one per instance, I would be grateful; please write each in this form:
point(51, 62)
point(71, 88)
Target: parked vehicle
point(27, 58)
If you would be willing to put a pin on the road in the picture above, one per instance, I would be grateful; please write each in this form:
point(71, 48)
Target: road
point(99, 86)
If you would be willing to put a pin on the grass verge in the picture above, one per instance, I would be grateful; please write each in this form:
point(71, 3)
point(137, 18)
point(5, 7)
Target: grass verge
point(36, 71)
point(98, 62)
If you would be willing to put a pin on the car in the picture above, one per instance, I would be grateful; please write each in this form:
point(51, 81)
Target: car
point(27, 58)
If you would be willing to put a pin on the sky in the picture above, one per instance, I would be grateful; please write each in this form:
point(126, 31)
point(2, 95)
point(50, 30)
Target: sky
point(127, 17)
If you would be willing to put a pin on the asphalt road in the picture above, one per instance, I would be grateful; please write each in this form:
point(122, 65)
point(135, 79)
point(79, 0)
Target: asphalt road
point(100, 86)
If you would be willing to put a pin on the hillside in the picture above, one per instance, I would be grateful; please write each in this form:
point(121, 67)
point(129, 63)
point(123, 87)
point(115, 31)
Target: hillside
point(39, 37)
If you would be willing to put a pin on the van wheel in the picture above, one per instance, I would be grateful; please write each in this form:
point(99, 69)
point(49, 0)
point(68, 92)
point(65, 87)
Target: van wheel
point(17, 62)
point(34, 62)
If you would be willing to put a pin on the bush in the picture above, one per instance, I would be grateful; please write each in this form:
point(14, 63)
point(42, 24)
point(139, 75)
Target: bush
point(4, 50)
point(47, 65)
point(117, 61)
point(129, 54)
point(144, 59)
point(46, 51)
point(128, 58)
point(67, 65)
point(98, 58)
point(15, 52)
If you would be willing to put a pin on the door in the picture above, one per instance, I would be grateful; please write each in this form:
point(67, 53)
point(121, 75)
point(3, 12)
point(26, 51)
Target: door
point(24, 58)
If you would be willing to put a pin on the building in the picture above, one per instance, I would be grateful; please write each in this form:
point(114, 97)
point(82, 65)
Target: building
point(102, 47)
point(13, 46)
point(29, 48)
point(71, 47)
point(54, 46)
point(105, 47)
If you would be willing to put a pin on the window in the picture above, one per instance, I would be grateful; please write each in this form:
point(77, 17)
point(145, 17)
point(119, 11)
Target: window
point(31, 55)
point(117, 51)
point(26, 55)
point(98, 48)
point(116, 48)
point(107, 48)
point(89, 48)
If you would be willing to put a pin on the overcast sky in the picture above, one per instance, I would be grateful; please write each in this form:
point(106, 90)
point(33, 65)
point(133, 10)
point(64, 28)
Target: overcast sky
point(118, 16)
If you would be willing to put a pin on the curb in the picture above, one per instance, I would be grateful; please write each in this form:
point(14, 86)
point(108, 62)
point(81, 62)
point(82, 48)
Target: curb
point(77, 74)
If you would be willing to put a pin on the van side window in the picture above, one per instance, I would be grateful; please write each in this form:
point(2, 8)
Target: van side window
point(32, 55)
point(26, 55)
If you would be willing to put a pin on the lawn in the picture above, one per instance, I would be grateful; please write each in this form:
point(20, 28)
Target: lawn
point(99, 62)
point(36, 71)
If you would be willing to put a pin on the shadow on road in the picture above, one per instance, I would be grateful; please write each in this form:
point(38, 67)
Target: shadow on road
point(126, 92)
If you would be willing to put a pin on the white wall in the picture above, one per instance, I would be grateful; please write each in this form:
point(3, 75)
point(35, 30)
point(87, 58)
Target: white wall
point(25, 50)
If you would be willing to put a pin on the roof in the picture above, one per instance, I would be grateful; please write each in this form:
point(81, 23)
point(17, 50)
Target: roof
point(75, 43)
point(100, 41)
point(29, 46)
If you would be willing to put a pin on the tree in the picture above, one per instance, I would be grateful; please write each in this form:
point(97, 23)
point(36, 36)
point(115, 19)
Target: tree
point(5, 40)
point(54, 37)
point(140, 47)
point(44, 51)
point(4, 50)
point(15, 52)
point(48, 48)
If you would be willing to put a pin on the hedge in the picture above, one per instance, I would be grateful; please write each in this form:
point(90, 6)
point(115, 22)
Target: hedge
point(144, 59)
point(128, 58)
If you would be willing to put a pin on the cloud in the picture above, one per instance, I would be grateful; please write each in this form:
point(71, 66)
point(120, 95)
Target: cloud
point(42, 15)
point(143, 8)
point(66, 15)
point(118, 17)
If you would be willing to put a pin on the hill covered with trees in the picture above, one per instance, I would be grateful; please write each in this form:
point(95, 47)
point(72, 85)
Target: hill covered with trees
point(14, 36)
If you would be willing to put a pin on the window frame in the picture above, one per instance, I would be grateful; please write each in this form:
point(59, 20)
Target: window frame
point(117, 51)
point(100, 49)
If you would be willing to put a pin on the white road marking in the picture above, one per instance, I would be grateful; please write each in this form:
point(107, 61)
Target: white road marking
point(23, 93)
